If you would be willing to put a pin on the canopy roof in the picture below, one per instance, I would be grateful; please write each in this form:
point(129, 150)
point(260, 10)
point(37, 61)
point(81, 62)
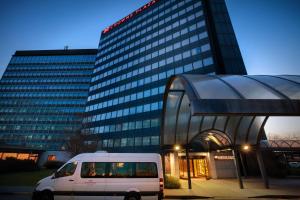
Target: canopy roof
point(217, 111)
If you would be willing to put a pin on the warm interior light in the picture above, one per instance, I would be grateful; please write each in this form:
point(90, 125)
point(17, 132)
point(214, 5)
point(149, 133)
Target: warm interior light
point(177, 147)
point(246, 147)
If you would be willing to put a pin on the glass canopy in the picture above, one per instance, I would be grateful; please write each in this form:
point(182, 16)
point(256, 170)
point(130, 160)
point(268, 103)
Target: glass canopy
point(220, 111)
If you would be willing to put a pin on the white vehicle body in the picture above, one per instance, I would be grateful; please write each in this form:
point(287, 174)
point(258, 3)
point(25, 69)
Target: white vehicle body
point(105, 176)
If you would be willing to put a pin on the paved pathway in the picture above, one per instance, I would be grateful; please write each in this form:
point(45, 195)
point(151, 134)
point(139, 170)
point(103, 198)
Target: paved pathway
point(217, 189)
point(229, 189)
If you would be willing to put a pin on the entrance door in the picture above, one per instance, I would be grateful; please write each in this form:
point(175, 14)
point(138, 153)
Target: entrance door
point(198, 167)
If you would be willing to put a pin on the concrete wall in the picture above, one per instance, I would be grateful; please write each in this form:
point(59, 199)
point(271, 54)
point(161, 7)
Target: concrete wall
point(225, 169)
point(174, 164)
point(221, 168)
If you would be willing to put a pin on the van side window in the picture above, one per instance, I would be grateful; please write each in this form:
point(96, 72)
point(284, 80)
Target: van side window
point(121, 170)
point(93, 169)
point(146, 170)
point(67, 170)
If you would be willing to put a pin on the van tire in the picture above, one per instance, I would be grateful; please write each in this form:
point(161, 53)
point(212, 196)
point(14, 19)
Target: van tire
point(132, 196)
point(47, 195)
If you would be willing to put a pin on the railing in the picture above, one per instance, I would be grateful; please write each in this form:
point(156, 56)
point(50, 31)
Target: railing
point(280, 144)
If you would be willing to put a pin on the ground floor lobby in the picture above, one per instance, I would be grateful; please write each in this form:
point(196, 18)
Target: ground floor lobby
point(207, 165)
point(229, 189)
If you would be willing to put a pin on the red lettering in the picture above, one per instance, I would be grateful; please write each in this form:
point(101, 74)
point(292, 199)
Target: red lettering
point(130, 16)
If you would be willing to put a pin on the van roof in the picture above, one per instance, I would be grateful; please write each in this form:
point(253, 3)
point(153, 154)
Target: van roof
point(95, 156)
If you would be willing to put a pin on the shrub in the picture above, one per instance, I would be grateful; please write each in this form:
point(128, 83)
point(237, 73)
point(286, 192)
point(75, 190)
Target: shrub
point(53, 164)
point(14, 165)
point(172, 182)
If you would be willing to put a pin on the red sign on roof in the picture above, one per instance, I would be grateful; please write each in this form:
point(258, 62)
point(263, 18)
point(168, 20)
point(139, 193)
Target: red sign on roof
point(141, 9)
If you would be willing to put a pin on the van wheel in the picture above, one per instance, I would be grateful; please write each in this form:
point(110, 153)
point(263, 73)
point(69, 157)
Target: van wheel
point(133, 196)
point(46, 195)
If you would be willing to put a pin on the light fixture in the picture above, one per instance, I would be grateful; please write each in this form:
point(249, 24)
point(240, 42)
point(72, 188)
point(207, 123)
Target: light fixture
point(177, 147)
point(246, 147)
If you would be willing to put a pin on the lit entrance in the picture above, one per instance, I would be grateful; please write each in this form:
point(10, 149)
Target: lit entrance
point(222, 113)
point(198, 167)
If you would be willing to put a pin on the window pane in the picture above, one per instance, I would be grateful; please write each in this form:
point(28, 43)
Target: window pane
point(121, 170)
point(67, 170)
point(146, 170)
point(93, 170)
point(146, 141)
point(138, 141)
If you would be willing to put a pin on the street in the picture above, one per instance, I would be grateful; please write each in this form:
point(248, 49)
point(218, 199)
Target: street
point(15, 197)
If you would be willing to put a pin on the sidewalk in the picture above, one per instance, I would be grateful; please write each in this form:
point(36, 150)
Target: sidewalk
point(217, 189)
point(229, 189)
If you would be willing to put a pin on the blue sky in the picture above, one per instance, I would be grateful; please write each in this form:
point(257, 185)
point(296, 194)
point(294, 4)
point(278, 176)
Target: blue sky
point(268, 31)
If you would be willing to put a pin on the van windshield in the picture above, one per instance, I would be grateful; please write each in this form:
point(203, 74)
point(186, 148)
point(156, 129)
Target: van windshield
point(119, 170)
point(67, 170)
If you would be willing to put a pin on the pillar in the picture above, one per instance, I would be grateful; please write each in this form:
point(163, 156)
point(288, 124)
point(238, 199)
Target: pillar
point(174, 164)
point(212, 165)
point(237, 168)
point(243, 164)
point(188, 168)
point(163, 164)
point(262, 168)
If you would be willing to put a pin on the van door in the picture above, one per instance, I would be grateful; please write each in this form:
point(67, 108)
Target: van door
point(91, 181)
point(140, 177)
point(63, 181)
point(119, 179)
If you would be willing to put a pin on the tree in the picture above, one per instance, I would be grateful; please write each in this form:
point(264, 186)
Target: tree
point(80, 143)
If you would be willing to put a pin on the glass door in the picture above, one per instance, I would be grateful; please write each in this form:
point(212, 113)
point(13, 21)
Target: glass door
point(198, 167)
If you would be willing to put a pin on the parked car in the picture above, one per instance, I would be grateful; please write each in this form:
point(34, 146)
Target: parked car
point(128, 176)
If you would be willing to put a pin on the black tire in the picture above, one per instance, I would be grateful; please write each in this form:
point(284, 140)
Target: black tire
point(47, 195)
point(160, 197)
point(133, 196)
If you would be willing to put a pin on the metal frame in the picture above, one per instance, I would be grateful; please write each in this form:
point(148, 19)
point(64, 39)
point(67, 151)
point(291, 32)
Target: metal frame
point(228, 108)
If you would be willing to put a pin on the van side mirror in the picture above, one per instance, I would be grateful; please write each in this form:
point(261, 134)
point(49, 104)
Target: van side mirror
point(54, 175)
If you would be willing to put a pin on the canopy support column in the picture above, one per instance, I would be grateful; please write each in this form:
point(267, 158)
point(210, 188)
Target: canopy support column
point(237, 168)
point(163, 164)
point(188, 168)
point(262, 168)
point(243, 164)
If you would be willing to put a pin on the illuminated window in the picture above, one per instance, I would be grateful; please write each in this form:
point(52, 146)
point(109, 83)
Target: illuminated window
point(51, 157)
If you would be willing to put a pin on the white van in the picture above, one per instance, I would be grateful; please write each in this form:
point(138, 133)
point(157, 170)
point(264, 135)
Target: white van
point(126, 176)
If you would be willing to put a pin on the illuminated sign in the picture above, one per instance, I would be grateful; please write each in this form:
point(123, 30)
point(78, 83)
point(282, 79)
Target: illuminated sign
point(224, 157)
point(141, 9)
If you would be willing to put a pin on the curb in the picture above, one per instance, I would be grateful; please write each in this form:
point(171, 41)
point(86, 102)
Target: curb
point(186, 197)
point(276, 197)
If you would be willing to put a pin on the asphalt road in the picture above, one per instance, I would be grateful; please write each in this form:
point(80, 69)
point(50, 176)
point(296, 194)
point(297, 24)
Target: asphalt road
point(15, 197)
point(20, 197)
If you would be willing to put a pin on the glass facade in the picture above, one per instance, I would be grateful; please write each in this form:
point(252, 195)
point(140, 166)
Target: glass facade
point(43, 96)
point(135, 60)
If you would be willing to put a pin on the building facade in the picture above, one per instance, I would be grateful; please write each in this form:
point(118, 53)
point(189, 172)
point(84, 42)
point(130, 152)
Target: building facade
point(42, 98)
point(138, 54)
